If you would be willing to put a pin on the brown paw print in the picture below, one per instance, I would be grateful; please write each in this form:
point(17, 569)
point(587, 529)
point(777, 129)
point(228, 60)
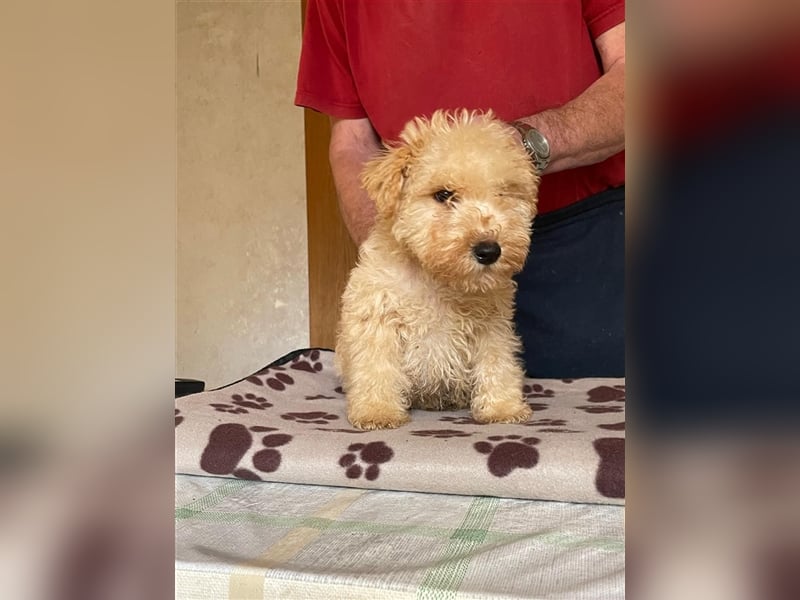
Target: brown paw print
point(536, 391)
point(551, 426)
point(547, 423)
point(227, 445)
point(607, 393)
point(373, 454)
point(227, 408)
point(441, 433)
point(508, 452)
point(598, 410)
point(279, 381)
point(319, 417)
point(320, 397)
point(229, 442)
point(240, 404)
point(613, 426)
point(269, 459)
point(307, 362)
point(460, 420)
point(273, 377)
point(610, 480)
point(178, 417)
point(558, 430)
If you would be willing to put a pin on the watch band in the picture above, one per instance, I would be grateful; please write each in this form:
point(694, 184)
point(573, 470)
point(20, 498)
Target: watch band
point(539, 158)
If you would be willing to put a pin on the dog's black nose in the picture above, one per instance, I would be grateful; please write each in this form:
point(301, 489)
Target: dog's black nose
point(486, 253)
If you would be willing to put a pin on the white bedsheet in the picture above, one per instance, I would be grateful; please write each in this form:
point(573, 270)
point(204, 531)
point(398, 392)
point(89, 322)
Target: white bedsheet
point(244, 539)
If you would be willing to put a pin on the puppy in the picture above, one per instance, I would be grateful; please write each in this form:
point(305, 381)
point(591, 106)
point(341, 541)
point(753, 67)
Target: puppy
point(426, 318)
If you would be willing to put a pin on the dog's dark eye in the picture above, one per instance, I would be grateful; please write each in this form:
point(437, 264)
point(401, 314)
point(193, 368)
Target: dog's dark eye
point(442, 195)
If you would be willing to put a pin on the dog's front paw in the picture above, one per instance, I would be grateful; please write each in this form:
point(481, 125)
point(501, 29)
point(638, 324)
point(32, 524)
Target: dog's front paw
point(373, 418)
point(502, 412)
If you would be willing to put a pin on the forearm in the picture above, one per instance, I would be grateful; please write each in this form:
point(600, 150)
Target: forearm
point(591, 127)
point(353, 143)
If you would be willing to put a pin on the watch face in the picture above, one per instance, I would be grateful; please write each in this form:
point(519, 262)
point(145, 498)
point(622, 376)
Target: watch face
point(539, 143)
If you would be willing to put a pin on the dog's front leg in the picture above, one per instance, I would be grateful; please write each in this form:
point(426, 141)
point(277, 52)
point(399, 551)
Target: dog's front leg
point(497, 379)
point(375, 383)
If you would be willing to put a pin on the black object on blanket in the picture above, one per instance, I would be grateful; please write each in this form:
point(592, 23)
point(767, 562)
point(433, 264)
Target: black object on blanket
point(185, 387)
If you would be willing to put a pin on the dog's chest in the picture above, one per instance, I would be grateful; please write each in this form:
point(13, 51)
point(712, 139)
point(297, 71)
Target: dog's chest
point(438, 351)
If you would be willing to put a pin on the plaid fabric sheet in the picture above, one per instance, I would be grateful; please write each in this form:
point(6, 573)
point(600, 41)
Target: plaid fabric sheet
point(240, 539)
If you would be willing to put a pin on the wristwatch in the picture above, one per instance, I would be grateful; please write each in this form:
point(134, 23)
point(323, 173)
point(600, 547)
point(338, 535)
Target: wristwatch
point(535, 143)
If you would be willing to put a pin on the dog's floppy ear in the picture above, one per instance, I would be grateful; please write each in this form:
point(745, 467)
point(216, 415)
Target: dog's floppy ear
point(383, 179)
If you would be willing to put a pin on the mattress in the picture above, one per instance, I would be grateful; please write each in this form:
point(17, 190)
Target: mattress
point(244, 539)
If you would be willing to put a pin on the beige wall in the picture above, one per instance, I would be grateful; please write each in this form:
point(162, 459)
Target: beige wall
point(242, 283)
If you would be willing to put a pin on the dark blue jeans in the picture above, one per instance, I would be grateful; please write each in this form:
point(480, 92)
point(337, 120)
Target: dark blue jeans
point(570, 301)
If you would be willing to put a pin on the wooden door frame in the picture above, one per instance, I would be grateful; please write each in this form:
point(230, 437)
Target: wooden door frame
point(331, 252)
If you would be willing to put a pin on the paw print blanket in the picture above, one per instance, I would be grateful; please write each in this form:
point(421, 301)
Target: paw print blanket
point(288, 423)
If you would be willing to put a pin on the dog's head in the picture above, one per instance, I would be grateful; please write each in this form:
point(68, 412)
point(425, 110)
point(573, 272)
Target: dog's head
point(459, 192)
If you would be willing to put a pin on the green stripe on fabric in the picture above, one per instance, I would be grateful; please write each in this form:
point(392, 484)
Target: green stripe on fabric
point(211, 499)
point(443, 580)
point(430, 531)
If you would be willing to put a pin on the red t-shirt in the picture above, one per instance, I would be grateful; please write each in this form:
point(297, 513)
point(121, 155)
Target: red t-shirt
point(391, 61)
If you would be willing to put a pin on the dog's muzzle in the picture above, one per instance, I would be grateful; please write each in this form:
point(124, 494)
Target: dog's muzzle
point(486, 253)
